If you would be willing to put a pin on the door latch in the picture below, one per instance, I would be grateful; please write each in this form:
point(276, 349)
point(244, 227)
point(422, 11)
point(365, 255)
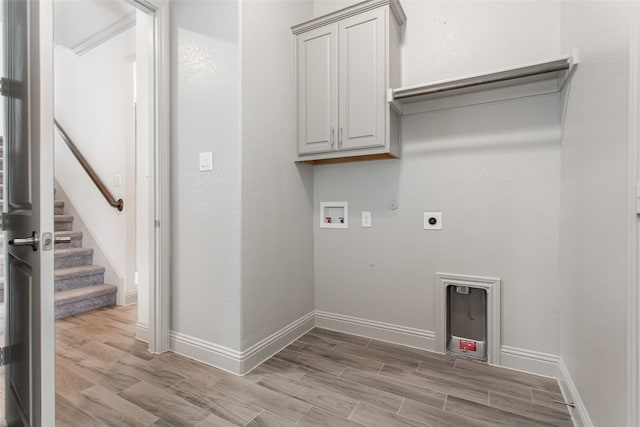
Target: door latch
point(47, 241)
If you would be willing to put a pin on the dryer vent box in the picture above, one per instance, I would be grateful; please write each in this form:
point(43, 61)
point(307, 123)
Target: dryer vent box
point(467, 321)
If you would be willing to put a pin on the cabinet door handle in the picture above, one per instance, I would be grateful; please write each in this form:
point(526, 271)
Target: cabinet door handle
point(340, 141)
point(333, 135)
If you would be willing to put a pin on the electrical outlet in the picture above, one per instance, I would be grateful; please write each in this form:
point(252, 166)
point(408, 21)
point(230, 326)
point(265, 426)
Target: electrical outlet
point(366, 219)
point(433, 220)
point(206, 161)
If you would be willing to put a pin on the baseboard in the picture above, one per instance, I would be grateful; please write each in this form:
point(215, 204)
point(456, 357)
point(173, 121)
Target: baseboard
point(129, 298)
point(206, 352)
point(533, 362)
point(570, 392)
point(240, 362)
point(264, 349)
point(397, 334)
point(142, 332)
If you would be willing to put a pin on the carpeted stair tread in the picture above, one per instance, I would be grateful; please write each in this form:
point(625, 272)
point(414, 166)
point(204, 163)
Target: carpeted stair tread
point(85, 270)
point(69, 233)
point(76, 239)
point(69, 252)
point(81, 300)
point(78, 294)
point(58, 207)
point(63, 222)
point(73, 257)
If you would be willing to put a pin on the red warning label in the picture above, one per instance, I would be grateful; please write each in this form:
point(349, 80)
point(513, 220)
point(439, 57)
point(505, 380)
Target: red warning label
point(468, 345)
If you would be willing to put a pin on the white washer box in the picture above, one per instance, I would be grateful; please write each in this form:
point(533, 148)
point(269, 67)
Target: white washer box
point(334, 215)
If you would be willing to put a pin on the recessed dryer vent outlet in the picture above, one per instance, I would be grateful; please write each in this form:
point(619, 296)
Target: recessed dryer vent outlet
point(334, 215)
point(468, 315)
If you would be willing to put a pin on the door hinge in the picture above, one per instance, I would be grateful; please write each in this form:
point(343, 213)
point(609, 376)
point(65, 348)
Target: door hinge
point(4, 356)
point(4, 86)
point(8, 87)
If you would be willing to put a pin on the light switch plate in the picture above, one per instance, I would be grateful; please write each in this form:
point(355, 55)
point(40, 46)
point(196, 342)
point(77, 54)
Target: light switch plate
point(366, 219)
point(206, 161)
point(433, 220)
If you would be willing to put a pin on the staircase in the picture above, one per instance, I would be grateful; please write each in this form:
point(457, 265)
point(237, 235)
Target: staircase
point(79, 284)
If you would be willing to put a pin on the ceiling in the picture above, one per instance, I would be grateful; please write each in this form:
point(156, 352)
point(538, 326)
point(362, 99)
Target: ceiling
point(76, 21)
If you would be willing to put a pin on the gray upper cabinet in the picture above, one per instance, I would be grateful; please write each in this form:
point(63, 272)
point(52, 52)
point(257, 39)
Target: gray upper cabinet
point(346, 62)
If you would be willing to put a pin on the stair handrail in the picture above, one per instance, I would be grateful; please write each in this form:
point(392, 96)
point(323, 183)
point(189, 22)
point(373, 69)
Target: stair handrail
point(118, 204)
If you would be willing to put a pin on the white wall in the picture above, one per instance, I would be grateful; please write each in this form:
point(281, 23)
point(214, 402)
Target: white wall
point(594, 202)
point(277, 236)
point(446, 39)
point(94, 103)
point(206, 215)
point(242, 234)
point(493, 170)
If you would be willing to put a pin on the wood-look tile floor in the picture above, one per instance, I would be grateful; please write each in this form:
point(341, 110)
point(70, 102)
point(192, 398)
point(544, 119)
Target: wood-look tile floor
point(105, 377)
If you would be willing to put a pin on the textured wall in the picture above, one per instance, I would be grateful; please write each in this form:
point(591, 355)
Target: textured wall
point(277, 234)
point(205, 97)
point(243, 263)
point(594, 208)
point(492, 169)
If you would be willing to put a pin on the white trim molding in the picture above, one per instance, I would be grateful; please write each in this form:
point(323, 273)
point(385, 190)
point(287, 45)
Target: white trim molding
point(397, 334)
point(240, 362)
point(105, 34)
point(492, 286)
point(633, 232)
point(579, 414)
point(142, 332)
point(267, 347)
point(160, 291)
point(206, 352)
point(130, 297)
point(533, 362)
point(363, 6)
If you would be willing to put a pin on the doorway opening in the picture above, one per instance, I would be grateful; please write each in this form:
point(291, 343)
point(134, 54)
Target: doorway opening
point(102, 167)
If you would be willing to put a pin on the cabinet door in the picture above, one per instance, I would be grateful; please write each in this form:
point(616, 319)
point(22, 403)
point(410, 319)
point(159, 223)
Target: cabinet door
point(317, 90)
point(362, 80)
